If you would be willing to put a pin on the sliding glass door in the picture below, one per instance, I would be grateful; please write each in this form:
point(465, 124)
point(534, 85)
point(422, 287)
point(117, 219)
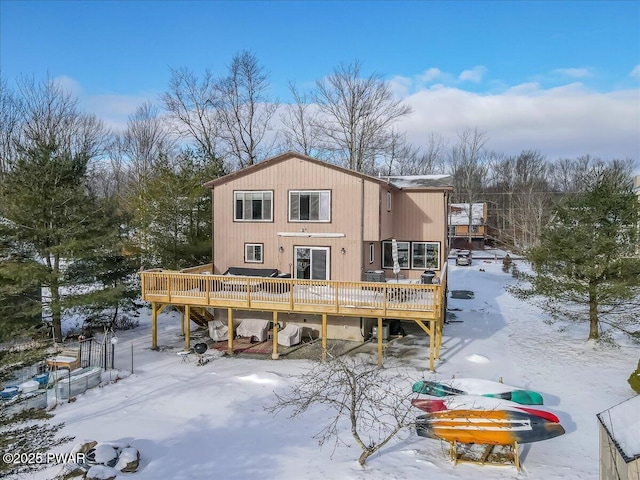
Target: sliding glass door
point(312, 263)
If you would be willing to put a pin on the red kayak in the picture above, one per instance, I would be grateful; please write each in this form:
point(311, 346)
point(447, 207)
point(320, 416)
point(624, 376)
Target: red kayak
point(478, 402)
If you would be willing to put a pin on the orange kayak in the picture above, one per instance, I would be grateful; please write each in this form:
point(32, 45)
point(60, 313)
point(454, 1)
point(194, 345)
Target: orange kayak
point(487, 427)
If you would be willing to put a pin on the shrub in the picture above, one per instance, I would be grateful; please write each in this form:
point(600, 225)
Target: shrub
point(634, 379)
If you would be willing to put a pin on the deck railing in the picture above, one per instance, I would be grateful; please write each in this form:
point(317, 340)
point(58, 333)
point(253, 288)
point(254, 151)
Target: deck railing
point(395, 300)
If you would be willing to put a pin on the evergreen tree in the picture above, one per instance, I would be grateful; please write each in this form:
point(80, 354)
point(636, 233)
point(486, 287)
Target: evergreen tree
point(110, 269)
point(20, 298)
point(46, 197)
point(180, 210)
point(585, 265)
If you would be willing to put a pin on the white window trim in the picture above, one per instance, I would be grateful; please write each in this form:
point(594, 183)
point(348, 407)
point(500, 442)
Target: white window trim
point(388, 201)
point(246, 252)
point(293, 220)
point(371, 253)
point(328, 258)
point(437, 267)
point(235, 219)
point(408, 267)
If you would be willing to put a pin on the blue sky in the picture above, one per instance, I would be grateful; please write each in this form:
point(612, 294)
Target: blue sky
point(507, 68)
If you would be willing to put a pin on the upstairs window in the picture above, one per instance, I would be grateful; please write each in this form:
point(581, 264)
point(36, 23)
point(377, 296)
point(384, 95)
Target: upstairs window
point(310, 206)
point(388, 201)
point(253, 206)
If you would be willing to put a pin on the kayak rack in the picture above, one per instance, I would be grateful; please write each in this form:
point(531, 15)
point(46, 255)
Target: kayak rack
point(496, 455)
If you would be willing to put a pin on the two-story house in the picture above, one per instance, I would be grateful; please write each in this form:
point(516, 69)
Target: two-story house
point(467, 225)
point(317, 231)
point(315, 220)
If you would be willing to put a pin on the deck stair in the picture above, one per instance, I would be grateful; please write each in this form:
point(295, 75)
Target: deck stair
point(199, 315)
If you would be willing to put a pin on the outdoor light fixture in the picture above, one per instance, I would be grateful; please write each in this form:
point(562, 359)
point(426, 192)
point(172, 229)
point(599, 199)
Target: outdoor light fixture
point(281, 249)
point(343, 251)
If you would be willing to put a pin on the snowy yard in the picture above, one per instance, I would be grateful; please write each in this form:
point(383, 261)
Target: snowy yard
point(209, 422)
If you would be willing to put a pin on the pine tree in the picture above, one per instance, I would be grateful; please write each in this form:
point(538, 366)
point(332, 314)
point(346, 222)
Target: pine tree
point(46, 200)
point(585, 265)
point(20, 299)
point(110, 268)
point(180, 210)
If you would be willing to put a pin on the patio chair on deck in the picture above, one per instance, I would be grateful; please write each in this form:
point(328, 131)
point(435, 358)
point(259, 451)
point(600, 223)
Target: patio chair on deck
point(218, 331)
point(253, 328)
point(289, 335)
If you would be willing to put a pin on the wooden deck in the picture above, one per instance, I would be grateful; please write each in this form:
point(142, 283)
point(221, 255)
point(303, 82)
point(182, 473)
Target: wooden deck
point(196, 287)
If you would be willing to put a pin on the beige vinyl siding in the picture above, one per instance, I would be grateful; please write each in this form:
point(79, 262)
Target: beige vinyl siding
point(420, 216)
point(612, 465)
point(386, 216)
point(290, 174)
point(372, 212)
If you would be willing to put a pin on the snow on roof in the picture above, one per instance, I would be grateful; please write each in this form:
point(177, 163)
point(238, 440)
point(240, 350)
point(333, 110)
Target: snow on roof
point(623, 424)
point(459, 214)
point(419, 181)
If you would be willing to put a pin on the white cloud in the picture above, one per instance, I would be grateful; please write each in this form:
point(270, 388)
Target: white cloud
point(473, 75)
point(566, 121)
point(635, 73)
point(400, 86)
point(69, 85)
point(574, 72)
point(429, 75)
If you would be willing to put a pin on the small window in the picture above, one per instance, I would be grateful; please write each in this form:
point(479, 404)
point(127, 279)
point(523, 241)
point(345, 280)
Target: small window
point(388, 201)
point(310, 206)
point(403, 255)
point(253, 206)
point(371, 250)
point(253, 253)
point(425, 255)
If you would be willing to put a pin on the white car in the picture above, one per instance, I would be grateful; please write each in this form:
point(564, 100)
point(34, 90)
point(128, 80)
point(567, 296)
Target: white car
point(464, 258)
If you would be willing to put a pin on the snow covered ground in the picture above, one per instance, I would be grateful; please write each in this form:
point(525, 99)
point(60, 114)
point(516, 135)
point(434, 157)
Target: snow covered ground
point(209, 422)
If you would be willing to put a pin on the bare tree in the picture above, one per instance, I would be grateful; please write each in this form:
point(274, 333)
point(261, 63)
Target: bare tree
point(375, 400)
point(521, 191)
point(46, 195)
point(469, 167)
point(300, 125)
point(244, 110)
point(145, 142)
point(190, 103)
point(357, 114)
point(425, 161)
point(9, 123)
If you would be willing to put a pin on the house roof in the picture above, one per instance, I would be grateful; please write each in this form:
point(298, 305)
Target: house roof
point(421, 181)
point(459, 214)
point(622, 423)
point(437, 183)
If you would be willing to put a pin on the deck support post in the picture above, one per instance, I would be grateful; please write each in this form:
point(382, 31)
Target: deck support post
point(431, 331)
point(230, 331)
point(324, 337)
point(379, 341)
point(187, 327)
point(432, 345)
point(275, 354)
point(438, 329)
point(154, 326)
